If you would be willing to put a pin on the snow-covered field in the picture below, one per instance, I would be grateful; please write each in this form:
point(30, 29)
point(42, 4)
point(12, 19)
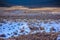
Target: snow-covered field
point(24, 27)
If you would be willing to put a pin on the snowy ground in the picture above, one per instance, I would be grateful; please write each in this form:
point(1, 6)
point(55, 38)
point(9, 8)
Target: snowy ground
point(24, 27)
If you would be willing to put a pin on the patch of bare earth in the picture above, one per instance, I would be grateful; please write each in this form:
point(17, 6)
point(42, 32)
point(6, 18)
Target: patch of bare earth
point(37, 36)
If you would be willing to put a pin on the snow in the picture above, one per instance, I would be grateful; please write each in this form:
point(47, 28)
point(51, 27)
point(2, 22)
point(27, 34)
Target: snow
point(11, 27)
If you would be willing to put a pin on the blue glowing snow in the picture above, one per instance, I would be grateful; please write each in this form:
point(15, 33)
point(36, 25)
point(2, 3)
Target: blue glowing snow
point(9, 28)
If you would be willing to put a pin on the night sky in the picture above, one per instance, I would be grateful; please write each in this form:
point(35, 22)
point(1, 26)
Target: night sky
point(30, 3)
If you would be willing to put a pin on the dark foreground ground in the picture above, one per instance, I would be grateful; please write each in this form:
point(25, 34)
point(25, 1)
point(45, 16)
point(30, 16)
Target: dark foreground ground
point(37, 36)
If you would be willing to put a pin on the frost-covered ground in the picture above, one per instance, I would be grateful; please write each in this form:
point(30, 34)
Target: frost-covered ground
point(24, 27)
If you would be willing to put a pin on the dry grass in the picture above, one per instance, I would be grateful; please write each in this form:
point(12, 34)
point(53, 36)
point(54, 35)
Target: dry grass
point(54, 9)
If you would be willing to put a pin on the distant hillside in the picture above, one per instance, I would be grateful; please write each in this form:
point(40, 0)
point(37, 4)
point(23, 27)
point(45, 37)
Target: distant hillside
point(24, 12)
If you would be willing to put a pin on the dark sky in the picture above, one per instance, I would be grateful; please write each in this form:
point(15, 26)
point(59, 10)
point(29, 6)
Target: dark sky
point(30, 3)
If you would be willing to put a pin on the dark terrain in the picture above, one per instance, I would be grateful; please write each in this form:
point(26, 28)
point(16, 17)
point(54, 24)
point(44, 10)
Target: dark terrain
point(32, 14)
